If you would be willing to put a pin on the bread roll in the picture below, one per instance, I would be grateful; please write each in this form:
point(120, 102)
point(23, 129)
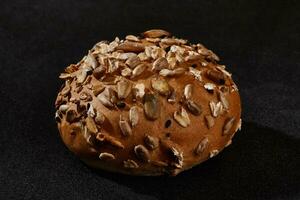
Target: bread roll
point(147, 105)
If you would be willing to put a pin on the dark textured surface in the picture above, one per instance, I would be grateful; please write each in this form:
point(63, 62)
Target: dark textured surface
point(257, 40)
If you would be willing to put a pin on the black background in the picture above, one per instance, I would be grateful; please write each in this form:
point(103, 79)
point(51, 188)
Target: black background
point(257, 40)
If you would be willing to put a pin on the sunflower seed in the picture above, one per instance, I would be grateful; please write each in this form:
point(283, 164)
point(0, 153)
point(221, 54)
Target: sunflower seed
point(126, 72)
point(130, 164)
point(216, 76)
point(71, 116)
point(190, 58)
point(133, 116)
point(132, 38)
point(98, 88)
point(91, 61)
point(100, 118)
point(178, 157)
point(106, 156)
point(65, 91)
point(123, 88)
point(151, 106)
point(228, 143)
point(196, 73)
point(216, 108)
point(58, 116)
point(103, 137)
point(161, 86)
point(125, 56)
point(151, 142)
point(125, 127)
point(84, 96)
point(153, 40)
point(91, 111)
point(172, 97)
point(81, 76)
point(173, 41)
point(193, 107)
point(210, 122)
point(131, 47)
point(142, 56)
point(182, 117)
point(188, 90)
point(209, 86)
point(133, 61)
point(228, 125)
point(138, 70)
point(223, 100)
point(99, 71)
point(90, 139)
point(159, 64)
point(213, 153)
point(142, 153)
point(201, 146)
point(222, 69)
point(91, 126)
point(159, 163)
point(63, 108)
point(105, 100)
point(239, 125)
point(139, 90)
point(168, 72)
point(155, 33)
point(65, 76)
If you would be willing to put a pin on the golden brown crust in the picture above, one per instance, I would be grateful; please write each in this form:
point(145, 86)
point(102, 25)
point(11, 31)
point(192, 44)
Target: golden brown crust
point(147, 106)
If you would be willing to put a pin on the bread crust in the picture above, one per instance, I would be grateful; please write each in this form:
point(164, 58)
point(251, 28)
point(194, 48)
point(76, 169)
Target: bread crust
point(95, 113)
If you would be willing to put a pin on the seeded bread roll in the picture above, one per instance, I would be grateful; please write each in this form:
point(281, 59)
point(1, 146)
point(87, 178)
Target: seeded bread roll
point(147, 105)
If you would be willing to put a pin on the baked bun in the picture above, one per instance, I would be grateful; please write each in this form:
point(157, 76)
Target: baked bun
point(147, 105)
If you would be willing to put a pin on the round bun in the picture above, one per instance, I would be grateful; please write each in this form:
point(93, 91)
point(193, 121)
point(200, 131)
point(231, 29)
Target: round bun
point(147, 105)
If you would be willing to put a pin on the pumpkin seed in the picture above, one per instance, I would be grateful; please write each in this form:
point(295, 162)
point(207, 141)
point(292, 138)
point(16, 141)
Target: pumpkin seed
point(151, 106)
point(193, 107)
point(71, 116)
point(151, 142)
point(142, 153)
point(216, 76)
